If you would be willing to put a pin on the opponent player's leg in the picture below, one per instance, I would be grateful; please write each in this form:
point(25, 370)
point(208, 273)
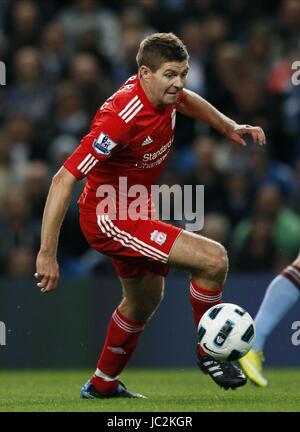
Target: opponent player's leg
point(207, 262)
point(282, 293)
point(141, 297)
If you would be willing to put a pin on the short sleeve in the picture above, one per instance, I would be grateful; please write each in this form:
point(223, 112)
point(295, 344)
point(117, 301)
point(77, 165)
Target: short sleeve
point(181, 97)
point(108, 134)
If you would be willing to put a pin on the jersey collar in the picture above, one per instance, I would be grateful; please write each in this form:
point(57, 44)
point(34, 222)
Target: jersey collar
point(145, 100)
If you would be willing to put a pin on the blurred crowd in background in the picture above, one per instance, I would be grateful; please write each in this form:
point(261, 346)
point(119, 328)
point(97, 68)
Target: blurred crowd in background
point(64, 58)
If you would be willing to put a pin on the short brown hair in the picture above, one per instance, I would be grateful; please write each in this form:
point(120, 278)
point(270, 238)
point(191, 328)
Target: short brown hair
point(159, 48)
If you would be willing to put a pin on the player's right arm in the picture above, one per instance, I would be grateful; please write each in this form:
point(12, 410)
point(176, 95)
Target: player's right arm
point(47, 269)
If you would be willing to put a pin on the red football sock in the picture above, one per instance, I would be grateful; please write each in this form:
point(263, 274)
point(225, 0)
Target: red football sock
point(202, 300)
point(122, 338)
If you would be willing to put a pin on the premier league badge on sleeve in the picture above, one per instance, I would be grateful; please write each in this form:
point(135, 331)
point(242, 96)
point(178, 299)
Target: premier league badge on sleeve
point(103, 144)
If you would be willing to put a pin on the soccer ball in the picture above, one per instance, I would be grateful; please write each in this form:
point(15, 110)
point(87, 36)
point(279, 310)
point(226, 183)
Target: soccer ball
point(226, 332)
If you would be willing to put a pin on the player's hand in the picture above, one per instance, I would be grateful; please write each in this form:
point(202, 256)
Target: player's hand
point(238, 131)
point(47, 272)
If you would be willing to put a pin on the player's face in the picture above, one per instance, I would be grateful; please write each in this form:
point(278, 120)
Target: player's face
point(166, 83)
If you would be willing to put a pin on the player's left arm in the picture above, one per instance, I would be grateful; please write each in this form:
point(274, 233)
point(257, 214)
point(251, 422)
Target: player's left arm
point(198, 108)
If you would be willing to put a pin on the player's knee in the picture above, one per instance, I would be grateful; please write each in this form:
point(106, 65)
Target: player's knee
point(216, 265)
point(223, 258)
point(219, 264)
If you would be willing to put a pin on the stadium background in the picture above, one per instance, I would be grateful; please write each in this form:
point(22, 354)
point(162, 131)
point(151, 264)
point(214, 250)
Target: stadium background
point(63, 58)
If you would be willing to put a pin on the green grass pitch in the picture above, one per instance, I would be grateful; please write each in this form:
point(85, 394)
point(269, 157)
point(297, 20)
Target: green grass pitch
point(167, 391)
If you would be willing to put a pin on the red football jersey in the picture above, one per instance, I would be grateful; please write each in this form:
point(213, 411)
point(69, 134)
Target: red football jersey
point(129, 138)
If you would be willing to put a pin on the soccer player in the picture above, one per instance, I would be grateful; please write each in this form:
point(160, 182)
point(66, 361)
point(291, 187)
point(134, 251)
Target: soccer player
point(282, 293)
point(131, 137)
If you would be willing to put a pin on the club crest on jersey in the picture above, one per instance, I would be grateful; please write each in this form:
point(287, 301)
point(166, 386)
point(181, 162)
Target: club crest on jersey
point(158, 237)
point(103, 144)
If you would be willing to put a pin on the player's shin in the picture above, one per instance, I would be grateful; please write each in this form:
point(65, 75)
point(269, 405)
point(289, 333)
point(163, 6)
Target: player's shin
point(121, 340)
point(201, 300)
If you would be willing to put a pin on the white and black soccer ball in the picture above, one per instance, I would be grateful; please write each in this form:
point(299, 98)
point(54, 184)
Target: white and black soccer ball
point(226, 332)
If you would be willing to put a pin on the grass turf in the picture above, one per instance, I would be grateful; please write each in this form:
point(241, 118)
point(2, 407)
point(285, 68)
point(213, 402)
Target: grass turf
point(167, 391)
